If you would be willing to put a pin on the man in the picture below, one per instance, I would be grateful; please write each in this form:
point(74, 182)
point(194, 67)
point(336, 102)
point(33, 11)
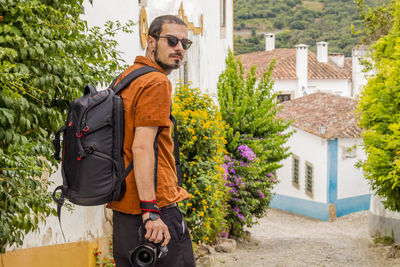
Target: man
point(147, 111)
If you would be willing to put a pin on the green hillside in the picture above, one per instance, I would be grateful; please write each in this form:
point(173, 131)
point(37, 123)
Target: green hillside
point(295, 22)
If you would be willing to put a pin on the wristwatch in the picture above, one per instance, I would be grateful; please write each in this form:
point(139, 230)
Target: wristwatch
point(154, 215)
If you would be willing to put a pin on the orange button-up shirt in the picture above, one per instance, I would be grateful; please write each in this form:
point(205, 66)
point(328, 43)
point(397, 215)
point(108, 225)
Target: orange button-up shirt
point(147, 102)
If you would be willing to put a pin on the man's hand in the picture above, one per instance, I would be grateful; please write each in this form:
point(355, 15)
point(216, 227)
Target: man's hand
point(156, 231)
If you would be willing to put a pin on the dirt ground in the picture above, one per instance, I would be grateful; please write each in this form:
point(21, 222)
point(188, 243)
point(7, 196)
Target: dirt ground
point(284, 239)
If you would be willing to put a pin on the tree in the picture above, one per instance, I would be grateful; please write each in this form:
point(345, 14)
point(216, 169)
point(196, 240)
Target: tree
point(255, 141)
point(379, 107)
point(377, 21)
point(47, 55)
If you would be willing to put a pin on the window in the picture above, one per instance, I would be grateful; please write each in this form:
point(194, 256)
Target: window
point(184, 73)
point(223, 13)
point(142, 3)
point(223, 19)
point(309, 179)
point(295, 171)
point(283, 97)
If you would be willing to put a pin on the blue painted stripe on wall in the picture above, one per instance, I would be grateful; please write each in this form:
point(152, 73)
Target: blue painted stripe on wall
point(332, 170)
point(352, 204)
point(304, 207)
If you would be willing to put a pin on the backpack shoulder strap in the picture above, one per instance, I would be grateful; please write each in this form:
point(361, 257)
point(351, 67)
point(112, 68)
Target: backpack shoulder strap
point(131, 77)
point(176, 149)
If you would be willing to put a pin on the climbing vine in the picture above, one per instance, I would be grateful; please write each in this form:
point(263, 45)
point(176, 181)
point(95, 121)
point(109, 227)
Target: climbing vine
point(47, 55)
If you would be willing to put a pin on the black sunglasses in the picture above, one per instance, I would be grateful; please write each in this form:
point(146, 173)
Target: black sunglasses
point(173, 41)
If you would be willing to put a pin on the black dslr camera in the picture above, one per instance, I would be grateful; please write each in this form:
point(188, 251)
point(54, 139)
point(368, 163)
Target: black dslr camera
point(147, 253)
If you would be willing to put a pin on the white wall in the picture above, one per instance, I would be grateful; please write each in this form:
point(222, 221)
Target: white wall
point(338, 87)
point(313, 149)
point(82, 223)
point(351, 181)
point(378, 209)
point(383, 222)
point(358, 74)
point(285, 86)
point(206, 57)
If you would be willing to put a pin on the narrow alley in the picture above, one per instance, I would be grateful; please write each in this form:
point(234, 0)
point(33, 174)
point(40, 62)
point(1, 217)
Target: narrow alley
point(284, 239)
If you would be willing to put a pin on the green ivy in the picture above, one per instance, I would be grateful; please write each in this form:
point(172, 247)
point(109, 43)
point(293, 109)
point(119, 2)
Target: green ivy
point(47, 55)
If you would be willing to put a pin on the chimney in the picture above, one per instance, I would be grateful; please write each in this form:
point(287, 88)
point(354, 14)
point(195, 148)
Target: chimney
point(322, 52)
point(269, 42)
point(301, 69)
point(359, 78)
point(337, 58)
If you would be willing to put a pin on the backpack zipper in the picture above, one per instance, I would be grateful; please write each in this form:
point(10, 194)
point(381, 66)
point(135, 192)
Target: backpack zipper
point(82, 152)
point(83, 119)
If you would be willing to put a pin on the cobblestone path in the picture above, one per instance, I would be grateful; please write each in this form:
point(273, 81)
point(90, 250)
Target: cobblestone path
point(283, 239)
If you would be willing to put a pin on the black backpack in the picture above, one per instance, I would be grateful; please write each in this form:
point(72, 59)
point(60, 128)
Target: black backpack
point(92, 156)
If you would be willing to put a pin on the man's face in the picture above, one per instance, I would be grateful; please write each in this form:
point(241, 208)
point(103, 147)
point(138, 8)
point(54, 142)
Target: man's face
point(168, 57)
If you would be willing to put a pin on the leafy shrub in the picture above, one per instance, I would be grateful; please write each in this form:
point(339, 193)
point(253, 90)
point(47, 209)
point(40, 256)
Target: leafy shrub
point(249, 107)
point(202, 141)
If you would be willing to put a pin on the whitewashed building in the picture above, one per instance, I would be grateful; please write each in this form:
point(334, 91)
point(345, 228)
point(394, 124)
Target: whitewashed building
point(298, 71)
point(210, 24)
point(319, 180)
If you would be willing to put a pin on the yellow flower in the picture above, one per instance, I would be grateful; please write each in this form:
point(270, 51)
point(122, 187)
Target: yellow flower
point(201, 213)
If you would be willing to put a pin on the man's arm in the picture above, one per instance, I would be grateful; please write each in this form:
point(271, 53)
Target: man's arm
point(143, 160)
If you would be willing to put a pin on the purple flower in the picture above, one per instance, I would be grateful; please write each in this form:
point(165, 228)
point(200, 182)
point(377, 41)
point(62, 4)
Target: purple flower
point(241, 217)
point(233, 191)
point(260, 193)
point(243, 164)
point(237, 199)
point(269, 175)
point(247, 153)
point(236, 209)
point(225, 166)
point(232, 170)
point(223, 235)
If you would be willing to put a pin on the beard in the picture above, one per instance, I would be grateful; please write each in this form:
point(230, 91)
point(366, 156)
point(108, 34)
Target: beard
point(167, 67)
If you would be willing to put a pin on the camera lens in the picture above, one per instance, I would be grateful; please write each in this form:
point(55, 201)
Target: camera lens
point(144, 257)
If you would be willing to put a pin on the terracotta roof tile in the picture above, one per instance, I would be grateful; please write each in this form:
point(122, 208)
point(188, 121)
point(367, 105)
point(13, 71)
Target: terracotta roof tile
point(336, 113)
point(285, 66)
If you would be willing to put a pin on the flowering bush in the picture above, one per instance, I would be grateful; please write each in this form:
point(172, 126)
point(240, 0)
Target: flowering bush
point(202, 150)
point(250, 192)
point(103, 261)
point(249, 106)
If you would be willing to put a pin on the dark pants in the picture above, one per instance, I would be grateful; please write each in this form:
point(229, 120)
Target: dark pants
point(125, 238)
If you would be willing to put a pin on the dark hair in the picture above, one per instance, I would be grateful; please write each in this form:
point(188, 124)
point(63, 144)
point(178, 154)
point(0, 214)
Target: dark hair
point(157, 23)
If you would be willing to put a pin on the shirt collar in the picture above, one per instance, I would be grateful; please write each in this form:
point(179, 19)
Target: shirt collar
point(148, 62)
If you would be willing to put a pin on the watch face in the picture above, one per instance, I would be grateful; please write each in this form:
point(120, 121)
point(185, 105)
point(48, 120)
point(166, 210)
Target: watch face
point(154, 215)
